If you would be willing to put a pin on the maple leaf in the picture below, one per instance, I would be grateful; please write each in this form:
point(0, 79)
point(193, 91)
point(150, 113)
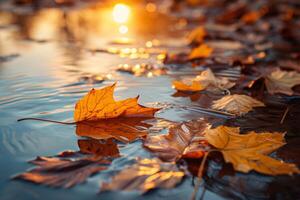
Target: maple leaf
point(250, 151)
point(282, 81)
point(237, 104)
point(145, 175)
point(203, 51)
point(100, 104)
point(121, 128)
point(71, 168)
point(184, 140)
point(206, 80)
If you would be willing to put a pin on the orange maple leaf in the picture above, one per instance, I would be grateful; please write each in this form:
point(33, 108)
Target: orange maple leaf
point(100, 104)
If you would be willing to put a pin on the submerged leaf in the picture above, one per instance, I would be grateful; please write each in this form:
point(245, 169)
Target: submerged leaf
point(184, 140)
point(236, 104)
point(145, 175)
point(282, 81)
point(121, 128)
point(71, 168)
point(250, 151)
point(100, 104)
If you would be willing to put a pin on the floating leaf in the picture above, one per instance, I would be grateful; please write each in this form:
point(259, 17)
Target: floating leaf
point(250, 151)
point(282, 81)
point(71, 168)
point(100, 104)
point(208, 79)
point(203, 51)
point(121, 128)
point(197, 35)
point(236, 104)
point(194, 87)
point(145, 175)
point(184, 140)
point(205, 81)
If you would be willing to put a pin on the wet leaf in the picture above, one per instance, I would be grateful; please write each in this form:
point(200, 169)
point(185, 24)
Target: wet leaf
point(208, 79)
point(121, 128)
point(145, 175)
point(202, 51)
point(100, 104)
point(197, 35)
point(183, 140)
point(71, 168)
point(282, 81)
point(194, 87)
point(237, 104)
point(205, 81)
point(250, 151)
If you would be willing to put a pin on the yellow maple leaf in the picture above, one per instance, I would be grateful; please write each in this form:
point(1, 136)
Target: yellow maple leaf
point(100, 104)
point(203, 51)
point(250, 151)
point(236, 104)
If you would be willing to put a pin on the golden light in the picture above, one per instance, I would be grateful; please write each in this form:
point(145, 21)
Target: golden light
point(123, 29)
point(121, 13)
point(151, 7)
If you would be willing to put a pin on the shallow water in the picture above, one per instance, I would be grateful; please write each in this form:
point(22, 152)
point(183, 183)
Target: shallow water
point(53, 67)
point(51, 57)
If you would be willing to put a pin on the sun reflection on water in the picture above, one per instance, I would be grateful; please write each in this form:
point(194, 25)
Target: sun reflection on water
point(121, 13)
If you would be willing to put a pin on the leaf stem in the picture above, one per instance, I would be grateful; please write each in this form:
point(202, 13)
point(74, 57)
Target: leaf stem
point(284, 115)
point(200, 173)
point(45, 120)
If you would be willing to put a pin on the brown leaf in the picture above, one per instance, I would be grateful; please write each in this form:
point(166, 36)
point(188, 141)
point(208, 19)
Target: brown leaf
point(121, 128)
point(250, 151)
point(183, 140)
point(100, 104)
point(145, 175)
point(71, 168)
point(237, 104)
point(282, 81)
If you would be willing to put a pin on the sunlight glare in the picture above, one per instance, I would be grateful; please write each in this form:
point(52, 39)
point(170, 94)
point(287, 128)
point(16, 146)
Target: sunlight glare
point(123, 29)
point(121, 13)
